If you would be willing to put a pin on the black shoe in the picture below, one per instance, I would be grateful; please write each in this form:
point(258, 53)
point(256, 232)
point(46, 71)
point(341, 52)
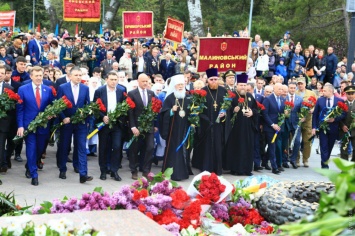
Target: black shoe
point(76, 170)
point(285, 165)
point(135, 176)
point(27, 174)
point(294, 165)
point(115, 176)
point(249, 174)
point(108, 172)
point(281, 169)
point(257, 168)
point(0, 182)
point(8, 161)
point(18, 158)
point(40, 165)
point(3, 169)
point(155, 161)
point(62, 175)
point(103, 176)
point(120, 167)
point(276, 171)
point(69, 160)
point(83, 179)
point(34, 181)
point(267, 167)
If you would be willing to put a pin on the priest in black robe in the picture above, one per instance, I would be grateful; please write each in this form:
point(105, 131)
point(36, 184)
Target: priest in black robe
point(173, 127)
point(240, 143)
point(208, 151)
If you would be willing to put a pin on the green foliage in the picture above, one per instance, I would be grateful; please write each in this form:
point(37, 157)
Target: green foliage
point(5, 7)
point(7, 203)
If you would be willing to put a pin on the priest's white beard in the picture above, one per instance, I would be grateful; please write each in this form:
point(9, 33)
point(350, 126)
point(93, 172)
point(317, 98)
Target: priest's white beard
point(179, 94)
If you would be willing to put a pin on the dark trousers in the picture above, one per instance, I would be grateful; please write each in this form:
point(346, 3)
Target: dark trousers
point(3, 162)
point(10, 145)
point(329, 77)
point(143, 145)
point(35, 146)
point(79, 155)
point(110, 144)
point(326, 142)
point(257, 156)
point(344, 153)
point(271, 149)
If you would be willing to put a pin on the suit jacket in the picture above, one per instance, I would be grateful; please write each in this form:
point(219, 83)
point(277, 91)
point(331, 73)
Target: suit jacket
point(55, 64)
point(45, 82)
point(151, 66)
point(28, 110)
point(292, 121)
point(102, 93)
point(347, 119)
point(60, 81)
point(259, 98)
point(137, 111)
point(167, 70)
point(6, 121)
point(83, 98)
point(320, 110)
point(34, 51)
point(262, 91)
point(271, 112)
point(106, 67)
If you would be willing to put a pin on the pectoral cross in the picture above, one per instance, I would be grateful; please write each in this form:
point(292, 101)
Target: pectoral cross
point(215, 106)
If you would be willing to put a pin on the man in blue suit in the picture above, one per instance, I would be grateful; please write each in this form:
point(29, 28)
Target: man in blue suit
point(36, 97)
point(167, 67)
point(35, 49)
point(291, 126)
point(51, 62)
point(274, 105)
point(110, 139)
point(326, 137)
point(78, 95)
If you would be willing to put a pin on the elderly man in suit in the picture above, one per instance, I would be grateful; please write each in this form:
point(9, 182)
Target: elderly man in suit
point(106, 65)
point(167, 67)
point(4, 123)
point(274, 106)
point(326, 137)
point(141, 96)
point(36, 97)
point(110, 139)
point(35, 49)
point(78, 95)
point(152, 63)
point(346, 122)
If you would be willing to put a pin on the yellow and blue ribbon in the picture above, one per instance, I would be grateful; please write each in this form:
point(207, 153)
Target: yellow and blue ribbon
point(99, 127)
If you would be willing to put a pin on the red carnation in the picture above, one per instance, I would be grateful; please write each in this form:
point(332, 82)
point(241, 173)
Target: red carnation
point(142, 208)
point(240, 100)
point(130, 103)
point(231, 94)
point(179, 198)
point(156, 105)
point(260, 106)
point(343, 106)
point(101, 105)
point(202, 93)
point(312, 99)
point(54, 92)
point(290, 104)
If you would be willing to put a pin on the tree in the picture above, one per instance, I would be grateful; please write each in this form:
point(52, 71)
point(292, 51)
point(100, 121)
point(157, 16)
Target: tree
point(195, 14)
point(110, 13)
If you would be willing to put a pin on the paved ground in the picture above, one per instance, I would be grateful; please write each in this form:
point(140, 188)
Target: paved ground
point(51, 187)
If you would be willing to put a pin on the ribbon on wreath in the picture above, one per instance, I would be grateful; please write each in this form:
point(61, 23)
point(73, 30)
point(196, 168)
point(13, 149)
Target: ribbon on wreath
point(99, 127)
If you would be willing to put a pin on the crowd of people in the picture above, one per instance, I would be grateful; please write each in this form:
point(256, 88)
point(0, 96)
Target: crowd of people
point(247, 136)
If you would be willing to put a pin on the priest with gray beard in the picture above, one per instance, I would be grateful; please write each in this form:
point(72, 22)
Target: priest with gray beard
point(173, 126)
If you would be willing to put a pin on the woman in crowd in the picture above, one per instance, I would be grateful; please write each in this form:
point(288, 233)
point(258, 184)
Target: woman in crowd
point(55, 48)
point(254, 54)
point(320, 66)
point(51, 75)
point(262, 63)
point(309, 68)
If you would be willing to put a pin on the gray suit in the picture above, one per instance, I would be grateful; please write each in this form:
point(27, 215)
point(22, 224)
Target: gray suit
point(106, 67)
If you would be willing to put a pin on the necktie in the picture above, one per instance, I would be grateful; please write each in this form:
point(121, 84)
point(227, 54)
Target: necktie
point(328, 103)
point(292, 98)
point(109, 62)
point(75, 93)
point(38, 97)
point(259, 92)
point(144, 98)
point(278, 102)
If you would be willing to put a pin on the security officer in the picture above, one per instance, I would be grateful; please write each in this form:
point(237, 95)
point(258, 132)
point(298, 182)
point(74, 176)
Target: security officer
point(66, 52)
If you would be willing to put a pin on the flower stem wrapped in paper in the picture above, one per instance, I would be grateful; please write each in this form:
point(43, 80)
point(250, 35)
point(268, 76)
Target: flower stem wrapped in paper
point(8, 100)
point(334, 113)
point(226, 104)
point(283, 116)
point(41, 119)
point(197, 105)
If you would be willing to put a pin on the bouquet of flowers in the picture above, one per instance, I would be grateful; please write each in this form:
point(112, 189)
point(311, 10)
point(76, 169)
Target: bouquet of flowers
point(121, 109)
point(54, 92)
point(306, 107)
point(145, 120)
point(8, 100)
point(332, 113)
point(41, 119)
point(240, 104)
point(198, 100)
point(260, 106)
point(227, 103)
point(283, 116)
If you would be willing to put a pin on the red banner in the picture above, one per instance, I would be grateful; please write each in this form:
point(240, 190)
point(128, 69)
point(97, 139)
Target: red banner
point(82, 10)
point(174, 30)
point(137, 24)
point(223, 54)
point(7, 18)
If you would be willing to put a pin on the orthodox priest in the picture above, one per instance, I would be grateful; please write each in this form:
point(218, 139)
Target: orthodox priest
point(173, 126)
point(211, 135)
point(240, 143)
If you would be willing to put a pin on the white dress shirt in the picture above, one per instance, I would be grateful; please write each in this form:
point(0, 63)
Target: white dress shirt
point(111, 99)
point(331, 101)
point(140, 64)
point(34, 87)
point(146, 94)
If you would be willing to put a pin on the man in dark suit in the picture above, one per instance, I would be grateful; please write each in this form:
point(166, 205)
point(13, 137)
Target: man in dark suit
point(4, 123)
point(35, 49)
point(51, 62)
point(110, 139)
point(36, 97)
point(65, 78)
point(167, 67)
point(274, 105)
point(326, 137)
point(78, 95)
point(259, 89)
point(106, 65)
point(145, 143)
point(152, 64)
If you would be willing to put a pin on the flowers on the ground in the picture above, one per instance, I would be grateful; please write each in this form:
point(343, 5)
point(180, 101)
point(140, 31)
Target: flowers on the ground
point(8, 100)
point(210, 188)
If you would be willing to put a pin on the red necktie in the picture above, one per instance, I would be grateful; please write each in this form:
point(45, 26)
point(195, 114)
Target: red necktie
point(38, 97)
point(292, 98)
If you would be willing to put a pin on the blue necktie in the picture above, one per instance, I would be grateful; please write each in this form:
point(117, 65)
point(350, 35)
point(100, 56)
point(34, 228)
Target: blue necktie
point(278, 102)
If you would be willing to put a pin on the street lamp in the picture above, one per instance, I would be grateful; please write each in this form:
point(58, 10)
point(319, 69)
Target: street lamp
point(350, 7)
point(33, 16)
point(250, 16)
